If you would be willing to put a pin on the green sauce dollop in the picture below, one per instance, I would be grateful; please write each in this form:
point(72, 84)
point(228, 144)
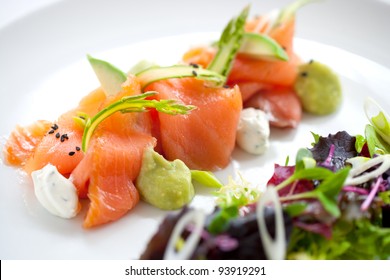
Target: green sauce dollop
point(164, 184)
point(318, 88)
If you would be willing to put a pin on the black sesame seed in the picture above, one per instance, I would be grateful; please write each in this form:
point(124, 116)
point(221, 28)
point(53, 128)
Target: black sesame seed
point(58, 135)
point(51, 131)
point(64, 137)
point(304, 74)
point(284, 48)
point(194, 73)
point(311, 61)
point(71, 153)
point(194, 65)
point(55, 127)
point(81, 117)
point(226, 86)
point(78, 149)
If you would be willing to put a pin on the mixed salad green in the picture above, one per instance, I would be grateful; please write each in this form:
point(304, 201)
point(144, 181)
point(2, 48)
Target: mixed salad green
point(335, 203)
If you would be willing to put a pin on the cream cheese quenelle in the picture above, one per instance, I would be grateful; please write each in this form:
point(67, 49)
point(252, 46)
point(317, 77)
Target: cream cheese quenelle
point(253, 131)
point(55, 193)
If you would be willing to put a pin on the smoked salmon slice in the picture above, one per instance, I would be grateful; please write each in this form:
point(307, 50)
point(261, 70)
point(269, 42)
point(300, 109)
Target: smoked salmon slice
point(281, 105)
point(59, 149)
point(111, 170)
point(205, 138)
point(33, 147)
point(276, 73)
point(255, 71)
point(105, 173)
point(112, 162)
point(22, 142)
point(255, 75)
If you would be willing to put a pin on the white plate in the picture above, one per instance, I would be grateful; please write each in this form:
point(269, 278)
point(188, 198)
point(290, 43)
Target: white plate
point(43, 72)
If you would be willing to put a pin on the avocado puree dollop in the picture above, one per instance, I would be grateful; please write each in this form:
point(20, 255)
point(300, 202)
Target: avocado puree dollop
point(164, 184)
point(318, 88)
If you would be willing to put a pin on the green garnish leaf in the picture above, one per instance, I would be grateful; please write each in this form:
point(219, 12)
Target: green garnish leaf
point(80, 122)
point(382, 125)
point(221, 219)
point(369, 131)
point(351, 239)
point(326, 192)
point(332, 185)
point(359, 143)
point(206, 178)
point(81, 119)
point(295, 209)
point(378, 119)
point(304, 159)
point(375, 143)
point(236, 194)
point(230, 198)
point(302, 153)
point(154, 74)
point(316, 138)
point(287, 161)
point(229, 44)
point(137, 103)
point(330, 205)
point(315, 173)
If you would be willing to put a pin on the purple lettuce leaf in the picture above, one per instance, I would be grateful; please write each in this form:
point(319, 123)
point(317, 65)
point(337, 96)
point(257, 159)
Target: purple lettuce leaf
point(281, 173)
point(332, 151)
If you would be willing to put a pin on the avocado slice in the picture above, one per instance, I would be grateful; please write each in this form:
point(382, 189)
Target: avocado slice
point(261, 46)
point(142, 66)
point(154, 74)
point(110, 77)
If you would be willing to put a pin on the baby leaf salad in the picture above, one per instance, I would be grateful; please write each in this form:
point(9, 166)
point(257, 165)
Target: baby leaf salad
point(334, 203)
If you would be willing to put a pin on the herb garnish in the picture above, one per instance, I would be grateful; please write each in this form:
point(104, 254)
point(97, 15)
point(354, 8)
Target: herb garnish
point(130, 104)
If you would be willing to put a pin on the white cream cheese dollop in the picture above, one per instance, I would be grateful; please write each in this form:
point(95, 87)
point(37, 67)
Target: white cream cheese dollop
point(56, 194)
point(253, 131)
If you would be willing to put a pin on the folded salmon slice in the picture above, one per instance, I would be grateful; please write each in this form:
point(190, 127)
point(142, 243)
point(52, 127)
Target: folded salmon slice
point(255, 71)
point(22, 142)
point(105, 173)
point(113, 161)
point(281, 105)
point(280, 73)
point(205, 138)
point(33, 147)
point(255, 75)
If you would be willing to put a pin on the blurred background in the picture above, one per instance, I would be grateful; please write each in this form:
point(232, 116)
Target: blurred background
point(45, 20)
